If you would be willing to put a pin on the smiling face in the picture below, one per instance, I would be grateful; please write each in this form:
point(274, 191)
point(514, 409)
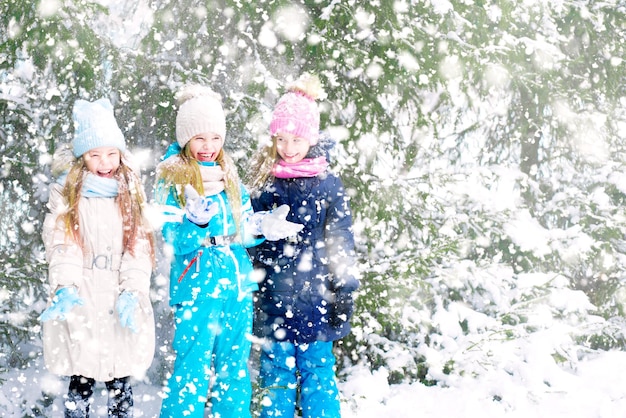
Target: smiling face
point(291, 148)
point(103, 161)
point(206, 146)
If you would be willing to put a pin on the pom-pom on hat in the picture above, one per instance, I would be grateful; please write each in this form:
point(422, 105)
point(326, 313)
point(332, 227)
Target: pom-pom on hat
point(296, 112)
point(95, 126)
point(199, 111)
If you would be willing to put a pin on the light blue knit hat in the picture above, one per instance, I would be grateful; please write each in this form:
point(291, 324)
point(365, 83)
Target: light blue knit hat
point(95, 126)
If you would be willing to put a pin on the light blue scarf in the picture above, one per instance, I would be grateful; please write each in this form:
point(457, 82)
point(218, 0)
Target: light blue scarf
point(94, 186)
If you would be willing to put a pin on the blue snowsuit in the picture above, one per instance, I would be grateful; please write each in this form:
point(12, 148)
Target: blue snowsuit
point(211, 292)
point(305, 300)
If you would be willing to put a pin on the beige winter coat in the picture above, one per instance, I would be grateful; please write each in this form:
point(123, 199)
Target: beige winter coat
point(91, 342)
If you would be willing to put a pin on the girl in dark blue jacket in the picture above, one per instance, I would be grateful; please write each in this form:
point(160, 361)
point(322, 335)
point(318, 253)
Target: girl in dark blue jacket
point(305, 298)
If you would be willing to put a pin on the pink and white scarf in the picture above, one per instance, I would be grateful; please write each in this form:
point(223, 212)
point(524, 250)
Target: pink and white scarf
point(307, 167)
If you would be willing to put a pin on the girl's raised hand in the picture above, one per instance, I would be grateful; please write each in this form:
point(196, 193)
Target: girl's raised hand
point(274, 225)
point(199, 210)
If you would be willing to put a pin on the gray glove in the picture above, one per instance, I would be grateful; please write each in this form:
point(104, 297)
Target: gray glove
point(342, 309)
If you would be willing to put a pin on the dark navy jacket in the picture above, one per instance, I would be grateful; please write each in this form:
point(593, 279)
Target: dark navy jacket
point(306, 294)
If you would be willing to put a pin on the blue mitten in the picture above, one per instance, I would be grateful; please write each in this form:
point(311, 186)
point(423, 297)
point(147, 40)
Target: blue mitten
point(63, 301)
point(126, 305)
point(199, 210)
point(274, 225)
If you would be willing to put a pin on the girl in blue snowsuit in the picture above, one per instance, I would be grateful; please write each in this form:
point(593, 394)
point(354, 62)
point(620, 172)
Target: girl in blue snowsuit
point(305, 300)
point(210, 278)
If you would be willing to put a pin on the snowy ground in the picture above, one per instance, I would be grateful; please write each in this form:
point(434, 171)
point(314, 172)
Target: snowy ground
point(597, 389)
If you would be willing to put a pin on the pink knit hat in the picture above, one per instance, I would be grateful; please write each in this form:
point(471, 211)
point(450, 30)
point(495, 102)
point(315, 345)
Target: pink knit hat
point(296, 112)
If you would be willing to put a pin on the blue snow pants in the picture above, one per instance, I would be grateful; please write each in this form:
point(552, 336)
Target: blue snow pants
point(281, 366)
point(215, 330)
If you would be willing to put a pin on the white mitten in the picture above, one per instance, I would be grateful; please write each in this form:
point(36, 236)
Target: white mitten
point(199, 210)
point(274, 225)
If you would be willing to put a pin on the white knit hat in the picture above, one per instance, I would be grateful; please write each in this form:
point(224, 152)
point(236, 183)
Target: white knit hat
point(95, 126)
point(200, 110)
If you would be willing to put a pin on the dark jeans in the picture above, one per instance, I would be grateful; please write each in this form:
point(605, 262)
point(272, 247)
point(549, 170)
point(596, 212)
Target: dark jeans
point(80, 397)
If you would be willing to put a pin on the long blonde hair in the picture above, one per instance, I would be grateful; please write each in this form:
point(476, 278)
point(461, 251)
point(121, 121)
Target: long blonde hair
point(260, 169)
point(130, 199)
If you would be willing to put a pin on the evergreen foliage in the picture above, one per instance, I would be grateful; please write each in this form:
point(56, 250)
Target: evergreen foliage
point(457, 126)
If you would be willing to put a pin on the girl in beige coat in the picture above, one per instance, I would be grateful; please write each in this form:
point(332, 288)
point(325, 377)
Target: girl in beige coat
point(99, 325)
